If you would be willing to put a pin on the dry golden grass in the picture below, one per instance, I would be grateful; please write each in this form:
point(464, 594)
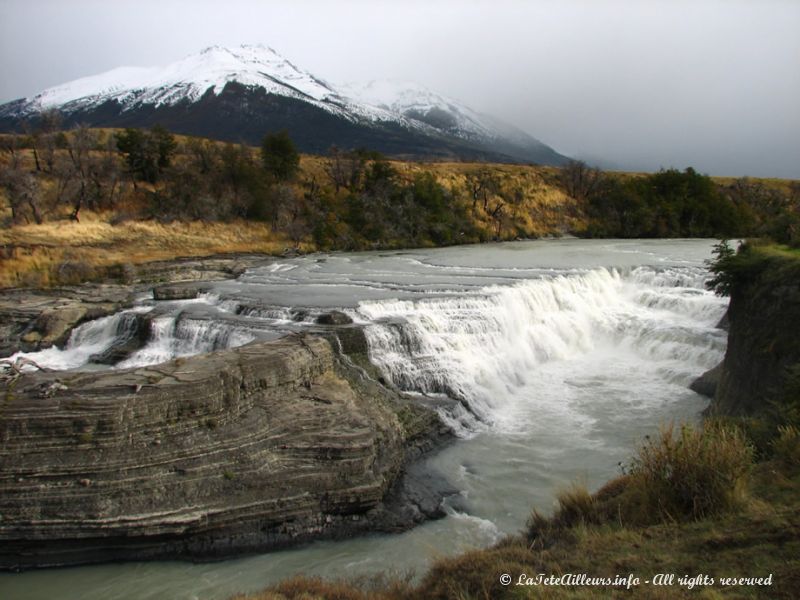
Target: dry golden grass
point(33, 254)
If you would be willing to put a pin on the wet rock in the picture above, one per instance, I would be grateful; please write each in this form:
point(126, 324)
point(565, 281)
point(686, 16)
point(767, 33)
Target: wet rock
point(706, 384)
point(352, 341)
point(179, 291)
point(299, 314)
point(55, 324)
point(334, 317)
point(133, 333)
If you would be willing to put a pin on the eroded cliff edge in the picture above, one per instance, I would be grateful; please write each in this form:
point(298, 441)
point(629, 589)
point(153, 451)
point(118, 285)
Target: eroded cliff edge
point(763, 355)
point(254, 448)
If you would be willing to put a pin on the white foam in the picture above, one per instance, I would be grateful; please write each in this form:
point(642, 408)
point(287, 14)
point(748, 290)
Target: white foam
point(488, 349)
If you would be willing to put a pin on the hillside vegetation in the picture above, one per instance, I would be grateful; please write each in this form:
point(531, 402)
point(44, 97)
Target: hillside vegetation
point(85, 201)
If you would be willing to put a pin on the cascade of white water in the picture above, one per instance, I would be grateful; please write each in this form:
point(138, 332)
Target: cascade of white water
point(486, 348)
point(177, 336)
point(85, 340)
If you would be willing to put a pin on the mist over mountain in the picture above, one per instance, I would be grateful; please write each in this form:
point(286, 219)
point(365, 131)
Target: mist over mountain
point(239, 94)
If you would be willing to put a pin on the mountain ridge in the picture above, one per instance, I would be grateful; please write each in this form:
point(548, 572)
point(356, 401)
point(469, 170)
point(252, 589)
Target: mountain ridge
point(239, 94)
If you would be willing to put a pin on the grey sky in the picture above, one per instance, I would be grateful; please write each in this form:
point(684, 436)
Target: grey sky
point(638, 84)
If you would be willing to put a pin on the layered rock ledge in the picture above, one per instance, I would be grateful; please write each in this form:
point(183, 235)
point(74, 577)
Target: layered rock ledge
point(249, 449)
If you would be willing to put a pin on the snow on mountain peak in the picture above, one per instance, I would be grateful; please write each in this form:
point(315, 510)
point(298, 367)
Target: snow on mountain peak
point(415, 101)
point(188, 78)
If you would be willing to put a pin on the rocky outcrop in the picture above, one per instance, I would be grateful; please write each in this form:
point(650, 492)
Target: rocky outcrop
point(36, 319)
point(764, 320)
point(178, 291)
point(706, 384)
point(132, 334)
point(249, 449)
point(205, 268)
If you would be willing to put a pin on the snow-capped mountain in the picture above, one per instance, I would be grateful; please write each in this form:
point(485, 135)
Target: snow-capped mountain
point(188, 79)
point(241, 93)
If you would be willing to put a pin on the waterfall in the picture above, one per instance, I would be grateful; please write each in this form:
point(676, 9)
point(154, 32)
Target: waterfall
point(487, 348)
point(506, 342)
point(173, 336)
point(85, 341)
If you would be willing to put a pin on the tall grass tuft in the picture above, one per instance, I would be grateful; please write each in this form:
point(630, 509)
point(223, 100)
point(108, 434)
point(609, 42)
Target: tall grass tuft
point(786, 446)
point(576, 507)
point(693, 472)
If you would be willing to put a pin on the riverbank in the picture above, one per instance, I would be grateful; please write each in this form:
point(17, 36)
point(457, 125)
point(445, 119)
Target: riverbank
point(97, 250)
point(758, 541)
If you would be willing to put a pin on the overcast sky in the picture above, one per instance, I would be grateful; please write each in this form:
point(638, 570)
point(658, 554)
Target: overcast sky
point(639, 84)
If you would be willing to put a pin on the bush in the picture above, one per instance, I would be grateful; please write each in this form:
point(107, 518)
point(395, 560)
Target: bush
point(476, 574)
point(315, 588)
point(695, 472)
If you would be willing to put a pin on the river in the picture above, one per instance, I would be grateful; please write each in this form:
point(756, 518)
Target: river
point(563, 354)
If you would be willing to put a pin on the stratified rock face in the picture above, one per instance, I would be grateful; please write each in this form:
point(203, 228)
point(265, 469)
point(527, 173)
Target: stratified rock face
point(239, 450)
point(764, 317)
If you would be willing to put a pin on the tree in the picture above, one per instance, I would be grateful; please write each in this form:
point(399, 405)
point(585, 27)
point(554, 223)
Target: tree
point(579, 180)
point(50, 128)
point(345, 169)
point(22, 190)
point(482, 185)
point(79, 147)
point(335, 168)
point(147, 153)
point(279, 156)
